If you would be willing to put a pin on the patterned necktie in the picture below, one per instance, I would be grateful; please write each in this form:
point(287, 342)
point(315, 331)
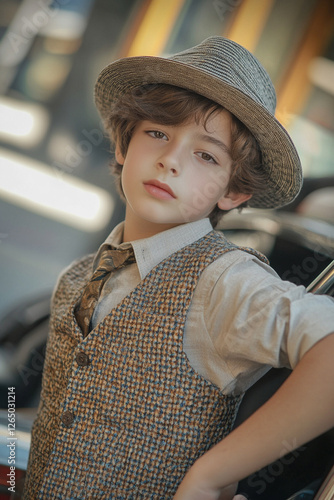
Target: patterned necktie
point(110, 260)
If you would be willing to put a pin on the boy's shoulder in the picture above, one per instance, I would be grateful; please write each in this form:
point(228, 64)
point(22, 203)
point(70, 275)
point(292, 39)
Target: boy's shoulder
point(74, 275)
point(224, 244)
point(79, 266)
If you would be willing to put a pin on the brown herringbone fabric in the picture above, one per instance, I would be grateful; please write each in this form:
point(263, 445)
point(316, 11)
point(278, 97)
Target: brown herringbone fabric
point(128, 424)
point(111, 259)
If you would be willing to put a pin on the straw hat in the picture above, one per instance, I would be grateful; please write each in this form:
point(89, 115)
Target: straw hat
point(228, 74)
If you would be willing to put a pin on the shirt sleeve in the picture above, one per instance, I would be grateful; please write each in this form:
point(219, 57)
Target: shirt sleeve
point(256, 320)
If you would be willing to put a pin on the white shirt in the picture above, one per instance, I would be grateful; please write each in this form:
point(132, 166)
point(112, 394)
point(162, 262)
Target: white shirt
point(243, 318)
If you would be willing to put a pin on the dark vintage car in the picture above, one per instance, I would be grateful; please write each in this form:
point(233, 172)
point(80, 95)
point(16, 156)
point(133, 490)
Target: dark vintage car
point(301, 250)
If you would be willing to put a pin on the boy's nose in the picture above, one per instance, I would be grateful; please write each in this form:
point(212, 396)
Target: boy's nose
point(170, 161)
point(166, 166)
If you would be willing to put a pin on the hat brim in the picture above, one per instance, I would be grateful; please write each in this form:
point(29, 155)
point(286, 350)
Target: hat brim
point(280, 158)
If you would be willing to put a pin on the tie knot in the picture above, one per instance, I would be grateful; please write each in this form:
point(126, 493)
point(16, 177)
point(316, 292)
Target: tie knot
point(115, 258)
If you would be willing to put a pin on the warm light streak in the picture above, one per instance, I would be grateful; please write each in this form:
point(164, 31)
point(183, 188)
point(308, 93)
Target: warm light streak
point(50, 193)
point(21, 123)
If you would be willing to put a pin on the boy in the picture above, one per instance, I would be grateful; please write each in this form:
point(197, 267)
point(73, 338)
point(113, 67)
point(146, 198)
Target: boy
point(147, 360)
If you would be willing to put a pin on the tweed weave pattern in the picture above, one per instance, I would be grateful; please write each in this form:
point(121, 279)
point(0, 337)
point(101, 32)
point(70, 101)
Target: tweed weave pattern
point(141, 415)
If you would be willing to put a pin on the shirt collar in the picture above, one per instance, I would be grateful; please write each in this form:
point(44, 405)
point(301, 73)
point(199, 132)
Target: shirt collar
point(149, 252)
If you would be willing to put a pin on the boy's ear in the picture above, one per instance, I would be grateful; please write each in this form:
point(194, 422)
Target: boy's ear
point(118, 155)
point(232, 200)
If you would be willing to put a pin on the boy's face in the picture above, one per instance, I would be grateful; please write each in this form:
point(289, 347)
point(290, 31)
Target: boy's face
point(177, 174)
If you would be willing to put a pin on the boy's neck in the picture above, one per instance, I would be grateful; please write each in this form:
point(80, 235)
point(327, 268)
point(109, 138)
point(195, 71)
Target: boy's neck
point(136, 228)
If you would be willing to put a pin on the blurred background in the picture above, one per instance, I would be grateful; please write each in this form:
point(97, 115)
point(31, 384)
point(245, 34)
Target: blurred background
point(57, 199)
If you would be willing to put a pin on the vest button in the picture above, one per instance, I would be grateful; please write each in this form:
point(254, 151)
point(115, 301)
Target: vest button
point(82, 359)
point(67, 418)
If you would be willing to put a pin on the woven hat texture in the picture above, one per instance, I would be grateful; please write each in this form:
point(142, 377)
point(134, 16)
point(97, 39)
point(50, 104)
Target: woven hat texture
point(230, 75)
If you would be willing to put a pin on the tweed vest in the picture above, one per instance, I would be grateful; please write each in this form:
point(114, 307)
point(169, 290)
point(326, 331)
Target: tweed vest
point(123, 415)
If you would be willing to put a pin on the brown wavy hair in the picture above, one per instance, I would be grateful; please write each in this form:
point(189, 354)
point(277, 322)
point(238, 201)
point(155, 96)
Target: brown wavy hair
point(171, 105)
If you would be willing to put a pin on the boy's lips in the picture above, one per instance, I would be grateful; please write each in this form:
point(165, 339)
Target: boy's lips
point(159, 189)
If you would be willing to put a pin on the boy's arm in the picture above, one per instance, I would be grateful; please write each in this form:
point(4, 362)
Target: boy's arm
point(300, 410)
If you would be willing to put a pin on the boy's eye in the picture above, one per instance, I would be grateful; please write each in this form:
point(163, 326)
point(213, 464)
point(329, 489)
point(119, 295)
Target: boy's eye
point(157, 134)
point(207, 157)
